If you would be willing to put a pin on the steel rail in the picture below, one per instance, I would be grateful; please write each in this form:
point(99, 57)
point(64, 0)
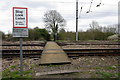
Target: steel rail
point(13, 50)
point(63, 44)
point(70, 52)
point(23, 44)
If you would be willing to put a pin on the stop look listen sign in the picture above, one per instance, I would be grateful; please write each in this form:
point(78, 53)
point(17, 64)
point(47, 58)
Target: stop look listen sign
point(20, 22)
point(20, 29)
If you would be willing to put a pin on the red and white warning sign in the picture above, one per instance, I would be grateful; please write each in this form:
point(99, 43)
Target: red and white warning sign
point(20, 22)
point(20, 17)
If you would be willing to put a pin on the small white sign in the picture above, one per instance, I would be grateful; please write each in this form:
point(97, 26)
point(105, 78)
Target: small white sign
point(20, 32)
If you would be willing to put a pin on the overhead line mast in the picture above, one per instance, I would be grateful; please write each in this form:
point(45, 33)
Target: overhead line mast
point(76, 20)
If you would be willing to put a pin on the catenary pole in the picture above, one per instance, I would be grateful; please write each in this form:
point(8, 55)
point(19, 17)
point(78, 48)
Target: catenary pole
point(76, 20)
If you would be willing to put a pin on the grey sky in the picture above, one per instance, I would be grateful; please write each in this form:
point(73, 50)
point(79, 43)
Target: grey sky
point(106, 14)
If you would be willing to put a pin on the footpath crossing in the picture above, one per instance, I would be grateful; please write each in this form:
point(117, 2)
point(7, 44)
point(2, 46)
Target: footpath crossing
point(53, 54)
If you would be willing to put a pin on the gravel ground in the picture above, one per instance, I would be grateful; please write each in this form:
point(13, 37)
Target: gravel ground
point(24, 42)
point(90, 46)
point(24, 47)
point(75, 45)
point(89, 66)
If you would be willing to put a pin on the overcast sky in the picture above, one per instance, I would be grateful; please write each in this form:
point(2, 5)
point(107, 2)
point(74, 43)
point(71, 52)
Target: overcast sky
point(106, 14)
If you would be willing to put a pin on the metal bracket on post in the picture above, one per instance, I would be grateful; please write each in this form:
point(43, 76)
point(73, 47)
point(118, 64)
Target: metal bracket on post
point(21, 57)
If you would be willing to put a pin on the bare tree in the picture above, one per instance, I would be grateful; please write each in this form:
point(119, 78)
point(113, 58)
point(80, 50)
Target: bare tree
point(94, 25)
point(53, 21)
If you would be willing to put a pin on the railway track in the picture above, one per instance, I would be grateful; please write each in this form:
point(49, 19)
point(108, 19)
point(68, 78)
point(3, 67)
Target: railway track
point(42, 44)
point(64, 44)
point(61, 44)
point(70, 52)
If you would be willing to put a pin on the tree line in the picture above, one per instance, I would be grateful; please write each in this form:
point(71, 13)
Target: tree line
point(34, 34)
point(101, 33)
point(54, 30)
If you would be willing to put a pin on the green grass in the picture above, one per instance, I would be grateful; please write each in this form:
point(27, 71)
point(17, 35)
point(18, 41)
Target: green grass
point(110, 68)
point(14, 66)
point(27, 72)
point(92, 40)
point(118, 74)
point(7, 74)
point(32, 66)
point(97, 67)
point(117, 65)
point(52, 65)
point(106, 74)
point(25, 63)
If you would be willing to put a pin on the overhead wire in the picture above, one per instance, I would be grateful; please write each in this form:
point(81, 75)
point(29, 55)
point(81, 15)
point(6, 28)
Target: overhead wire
point(73, 2)
point(80, 11)
point(100, 4)
point(81, 8)
point(90, 7)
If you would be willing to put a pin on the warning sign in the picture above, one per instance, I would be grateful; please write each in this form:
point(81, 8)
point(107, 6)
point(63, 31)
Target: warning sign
point(20, 22)
point(20, 17)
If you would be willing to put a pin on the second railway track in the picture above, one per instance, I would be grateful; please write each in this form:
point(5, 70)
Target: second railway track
point(70, 52)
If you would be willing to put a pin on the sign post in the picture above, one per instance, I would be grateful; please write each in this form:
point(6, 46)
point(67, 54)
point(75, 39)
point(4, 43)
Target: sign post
point(21, 57)
point(20, 29)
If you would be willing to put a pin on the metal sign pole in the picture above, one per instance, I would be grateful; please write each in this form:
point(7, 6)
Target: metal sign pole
point(20, 29)
point(21, 58)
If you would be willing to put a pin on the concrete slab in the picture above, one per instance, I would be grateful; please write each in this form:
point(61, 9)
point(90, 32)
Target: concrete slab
point(53, 53)
point(57, 72)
